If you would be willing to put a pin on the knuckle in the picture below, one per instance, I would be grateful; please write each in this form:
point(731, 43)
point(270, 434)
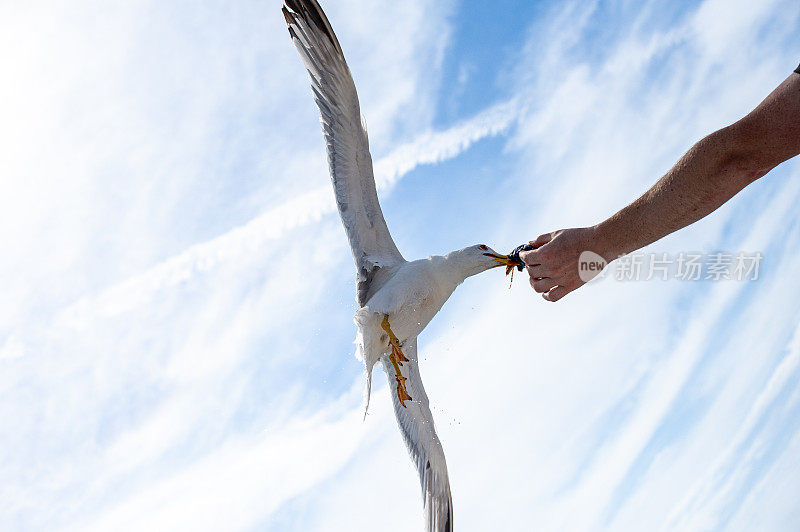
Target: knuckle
point(557, 246)
point(545, 253)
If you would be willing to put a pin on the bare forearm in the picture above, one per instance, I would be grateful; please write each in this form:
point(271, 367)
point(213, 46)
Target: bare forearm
point(708, 175)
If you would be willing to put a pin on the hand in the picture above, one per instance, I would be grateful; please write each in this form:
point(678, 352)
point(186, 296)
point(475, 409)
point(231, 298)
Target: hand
point(553, 264)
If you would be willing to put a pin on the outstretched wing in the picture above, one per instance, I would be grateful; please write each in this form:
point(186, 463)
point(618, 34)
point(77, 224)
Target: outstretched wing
point(416, 424)
point(346, 141)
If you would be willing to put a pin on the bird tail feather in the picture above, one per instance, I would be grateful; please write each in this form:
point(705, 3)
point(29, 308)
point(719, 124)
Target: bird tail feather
point(364, 351)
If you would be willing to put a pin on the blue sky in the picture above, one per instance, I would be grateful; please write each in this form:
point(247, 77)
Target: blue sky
point(177, 292)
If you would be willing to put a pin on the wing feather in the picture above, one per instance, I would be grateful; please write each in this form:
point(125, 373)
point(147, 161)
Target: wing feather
point(346, 141)
point(416, 425)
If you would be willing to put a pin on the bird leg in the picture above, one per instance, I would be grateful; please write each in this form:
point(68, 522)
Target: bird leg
point(393, 341)
point(397, 358)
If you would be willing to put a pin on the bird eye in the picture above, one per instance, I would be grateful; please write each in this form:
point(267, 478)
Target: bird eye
point(483, 247)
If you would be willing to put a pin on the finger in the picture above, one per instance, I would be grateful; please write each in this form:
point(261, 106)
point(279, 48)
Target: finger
point(530, 258)
point(557, 293)
point(541, 240)
point(538, 271)
point(543, 285)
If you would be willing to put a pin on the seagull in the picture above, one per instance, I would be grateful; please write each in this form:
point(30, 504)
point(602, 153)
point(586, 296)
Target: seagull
point(396, 298)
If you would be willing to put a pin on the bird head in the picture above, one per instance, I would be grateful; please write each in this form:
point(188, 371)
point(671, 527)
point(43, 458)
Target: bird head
point(480, 257)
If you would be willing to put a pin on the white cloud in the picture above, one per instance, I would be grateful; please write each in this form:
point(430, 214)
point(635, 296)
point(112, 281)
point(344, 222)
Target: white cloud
point(216, 388)
point(244, 479)
point(309, 207)
point(578, 414)
point(702, 506)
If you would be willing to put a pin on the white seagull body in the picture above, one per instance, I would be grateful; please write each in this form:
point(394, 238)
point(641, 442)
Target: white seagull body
point(396, 298)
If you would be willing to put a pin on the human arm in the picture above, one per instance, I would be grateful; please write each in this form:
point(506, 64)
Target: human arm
point(709, 174)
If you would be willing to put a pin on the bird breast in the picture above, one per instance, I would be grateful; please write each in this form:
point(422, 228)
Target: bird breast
point(411, 299)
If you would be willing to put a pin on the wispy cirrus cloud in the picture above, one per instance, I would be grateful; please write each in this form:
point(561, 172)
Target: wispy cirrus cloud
point(203, 380)
point(429, 148)
point(614, 401)
point(708, 502)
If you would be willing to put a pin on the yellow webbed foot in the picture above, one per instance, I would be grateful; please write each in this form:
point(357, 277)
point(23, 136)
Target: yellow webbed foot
point(398, 353)
point(397, 358)
point(402, 392)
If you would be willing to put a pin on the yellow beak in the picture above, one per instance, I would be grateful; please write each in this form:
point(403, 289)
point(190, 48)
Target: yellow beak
point(508, 261)
point(502, 260)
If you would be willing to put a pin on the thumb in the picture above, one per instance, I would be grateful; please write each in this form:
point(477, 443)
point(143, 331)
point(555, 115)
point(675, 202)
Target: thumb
point(530, 258)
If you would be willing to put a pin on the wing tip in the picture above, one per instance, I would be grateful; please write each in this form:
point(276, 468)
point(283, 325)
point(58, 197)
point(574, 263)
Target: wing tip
point(448, 526)
point(311, 12)
point(439, 518)
point(290, 21)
